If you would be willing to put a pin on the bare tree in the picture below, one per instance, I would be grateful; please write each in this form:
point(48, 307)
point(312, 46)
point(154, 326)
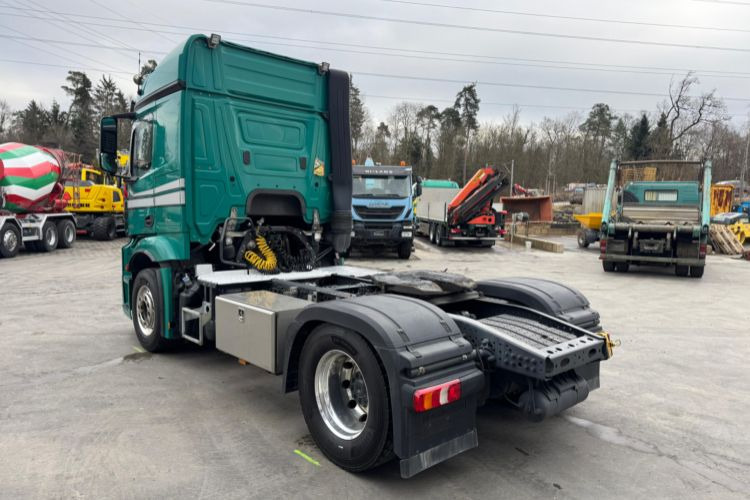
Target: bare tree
point(684, 112)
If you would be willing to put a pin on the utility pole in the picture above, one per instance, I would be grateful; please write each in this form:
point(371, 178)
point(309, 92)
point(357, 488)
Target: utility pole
point(512, 167)
point(744, 169)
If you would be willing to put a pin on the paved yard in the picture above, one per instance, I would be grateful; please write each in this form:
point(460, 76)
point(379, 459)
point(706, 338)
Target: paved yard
point(83, 413)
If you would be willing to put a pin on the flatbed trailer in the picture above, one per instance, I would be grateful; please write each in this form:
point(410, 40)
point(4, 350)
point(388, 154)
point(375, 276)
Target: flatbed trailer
point(451, 216)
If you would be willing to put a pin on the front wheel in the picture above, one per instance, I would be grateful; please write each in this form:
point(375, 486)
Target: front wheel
point(344, 397)
point(404, 250)
point(104, 229)
point(10, 240)
point(147, 309)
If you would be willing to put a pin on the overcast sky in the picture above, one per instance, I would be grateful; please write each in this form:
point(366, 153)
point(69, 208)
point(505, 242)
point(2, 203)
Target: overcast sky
point(471, 41)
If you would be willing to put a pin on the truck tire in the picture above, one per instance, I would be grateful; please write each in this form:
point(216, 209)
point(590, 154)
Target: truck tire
point(404, 250)
point(432, 232)
point(583, 241)
point(104, 229)
point(622, 267)
point(66, 233)
point(608, 266)
point(344, 397)
point(147, 306)
point(439, 235)
point(697, 271)
point(49, 237)
point(10, 240)
point(681, 270)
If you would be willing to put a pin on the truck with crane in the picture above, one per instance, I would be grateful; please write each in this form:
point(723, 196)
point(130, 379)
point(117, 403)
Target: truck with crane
point(32, 200)
point(382, 208)
point(449, 215)
point(239, 209)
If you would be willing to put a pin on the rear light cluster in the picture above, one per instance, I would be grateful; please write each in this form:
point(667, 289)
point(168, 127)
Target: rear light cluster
point(603, 245)
point(436, 396)
point(702, 250)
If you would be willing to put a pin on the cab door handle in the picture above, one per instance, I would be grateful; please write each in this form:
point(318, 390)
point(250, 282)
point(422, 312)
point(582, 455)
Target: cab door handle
point(149, 220)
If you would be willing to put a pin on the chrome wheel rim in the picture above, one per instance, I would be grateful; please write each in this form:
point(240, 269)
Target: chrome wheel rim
point(51, 236)
point(341, 394)
point(69, 233)
point(145, 310)
point(10, 240)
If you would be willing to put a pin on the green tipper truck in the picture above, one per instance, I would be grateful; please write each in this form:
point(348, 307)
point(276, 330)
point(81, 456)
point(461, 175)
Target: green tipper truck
point(656, 212)
point(239, 205)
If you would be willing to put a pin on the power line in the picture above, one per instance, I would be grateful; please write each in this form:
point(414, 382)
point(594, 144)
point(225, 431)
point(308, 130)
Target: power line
point(80, 44)
point(82, 68)
point(524, 85)
point(477, 28)
point(507, 104)
point(744, 4)
point(243, 36)
point(568, 18)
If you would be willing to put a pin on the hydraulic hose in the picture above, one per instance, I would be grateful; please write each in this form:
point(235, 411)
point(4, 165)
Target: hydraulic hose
point(266, 262)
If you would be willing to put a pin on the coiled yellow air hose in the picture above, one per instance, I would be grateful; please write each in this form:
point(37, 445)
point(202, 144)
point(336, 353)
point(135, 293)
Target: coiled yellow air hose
point(267, 263)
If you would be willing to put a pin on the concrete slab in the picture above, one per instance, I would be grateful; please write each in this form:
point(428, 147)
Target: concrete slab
point(84, 413)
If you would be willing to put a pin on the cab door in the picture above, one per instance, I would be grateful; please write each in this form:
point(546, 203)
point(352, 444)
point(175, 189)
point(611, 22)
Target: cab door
point(140, 200)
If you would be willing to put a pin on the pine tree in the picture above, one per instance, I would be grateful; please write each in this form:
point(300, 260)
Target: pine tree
point(467, 105)
point(357, 116)
point(638, 141)
point(82, 115)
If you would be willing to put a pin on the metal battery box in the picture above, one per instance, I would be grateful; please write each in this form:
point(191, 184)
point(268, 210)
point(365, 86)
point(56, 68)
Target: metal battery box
point(253, 325)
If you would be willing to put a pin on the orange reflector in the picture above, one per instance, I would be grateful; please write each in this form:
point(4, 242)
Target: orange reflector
point(438, 395)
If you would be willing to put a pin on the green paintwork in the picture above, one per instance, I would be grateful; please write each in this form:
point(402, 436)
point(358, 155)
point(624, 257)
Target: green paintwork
point(439, 183)
point(688, 193)
point(233, 102)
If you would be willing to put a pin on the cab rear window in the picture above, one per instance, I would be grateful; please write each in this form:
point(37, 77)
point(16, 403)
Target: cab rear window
point(660, 195)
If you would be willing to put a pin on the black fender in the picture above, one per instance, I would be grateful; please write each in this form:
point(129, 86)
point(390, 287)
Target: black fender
point(550, 297)
point(418, 345)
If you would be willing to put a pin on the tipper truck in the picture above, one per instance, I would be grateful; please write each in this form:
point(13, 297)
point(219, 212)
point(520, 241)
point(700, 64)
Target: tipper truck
point(450, 215)
point(32, 200)
point(656, 212)
point(382, 208)
point(239, 207)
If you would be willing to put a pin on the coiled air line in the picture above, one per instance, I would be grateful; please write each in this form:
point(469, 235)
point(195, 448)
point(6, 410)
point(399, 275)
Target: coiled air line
point(266, 263)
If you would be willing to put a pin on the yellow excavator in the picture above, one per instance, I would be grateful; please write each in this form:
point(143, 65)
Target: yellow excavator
point(96, 201)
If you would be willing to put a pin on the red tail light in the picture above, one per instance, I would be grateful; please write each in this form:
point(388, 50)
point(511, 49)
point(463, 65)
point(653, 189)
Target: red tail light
point(455, 230)
point(702, 250)
point(438, 395)
point(603, 245)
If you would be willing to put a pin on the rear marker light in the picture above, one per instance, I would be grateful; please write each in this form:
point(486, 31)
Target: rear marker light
point(438, 395)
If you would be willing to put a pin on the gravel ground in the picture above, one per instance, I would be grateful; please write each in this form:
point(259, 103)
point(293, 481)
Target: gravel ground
point(84, 413)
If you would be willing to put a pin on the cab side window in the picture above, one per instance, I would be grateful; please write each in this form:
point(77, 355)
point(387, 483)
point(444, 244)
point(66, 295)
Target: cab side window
point(115, 197)
point(142, 147)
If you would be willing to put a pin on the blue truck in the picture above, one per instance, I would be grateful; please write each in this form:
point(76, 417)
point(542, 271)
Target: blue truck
point(382, 209)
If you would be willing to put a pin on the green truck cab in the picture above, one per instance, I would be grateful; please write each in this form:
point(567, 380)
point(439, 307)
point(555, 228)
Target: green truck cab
point(223, 129)
point(664, 222)
point(239, 208)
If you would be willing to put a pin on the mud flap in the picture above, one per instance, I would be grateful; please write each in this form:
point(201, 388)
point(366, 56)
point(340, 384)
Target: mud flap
point(421, 461)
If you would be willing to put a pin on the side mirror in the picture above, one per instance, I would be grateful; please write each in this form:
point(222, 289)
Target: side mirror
point(418, 189)
point(108, 144)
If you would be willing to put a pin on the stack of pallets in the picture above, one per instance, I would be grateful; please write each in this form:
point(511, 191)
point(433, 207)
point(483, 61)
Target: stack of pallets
point(724, 240)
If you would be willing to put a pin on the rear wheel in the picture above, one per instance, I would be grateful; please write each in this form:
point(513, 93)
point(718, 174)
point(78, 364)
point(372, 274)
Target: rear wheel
point(622, 267)
point(432, 233)
point(10, 240)
point(681, 270)
point(104, 229)
point(439, 235)
point(608, 266)
point(66, 233)
point(697, 271)
point(344, 397)
point(404, 250)
point(147, 309)
point(583, 242)
point(49, 237)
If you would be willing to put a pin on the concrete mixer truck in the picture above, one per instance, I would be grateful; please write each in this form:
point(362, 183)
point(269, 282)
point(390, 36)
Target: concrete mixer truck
point(32, 200)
